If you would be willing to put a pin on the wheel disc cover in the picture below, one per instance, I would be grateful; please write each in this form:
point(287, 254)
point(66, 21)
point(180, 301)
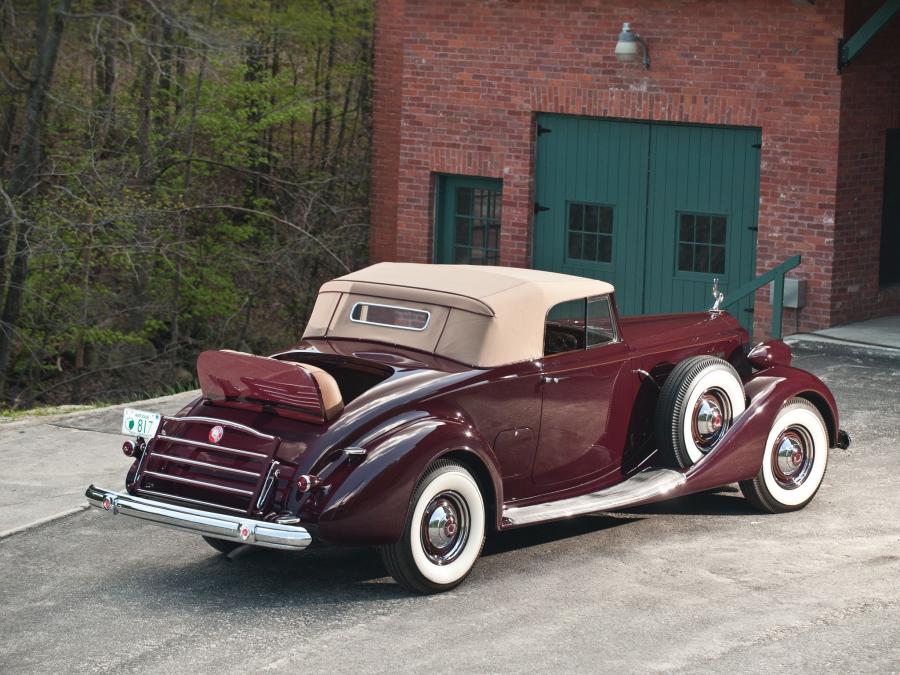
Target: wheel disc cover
point(444, 528)
point(710, 418)
point(793, 455)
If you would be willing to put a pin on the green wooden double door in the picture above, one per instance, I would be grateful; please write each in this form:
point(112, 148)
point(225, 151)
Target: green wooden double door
point(659, 210)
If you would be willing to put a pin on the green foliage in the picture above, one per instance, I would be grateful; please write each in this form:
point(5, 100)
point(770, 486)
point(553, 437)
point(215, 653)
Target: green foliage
point(197, 201)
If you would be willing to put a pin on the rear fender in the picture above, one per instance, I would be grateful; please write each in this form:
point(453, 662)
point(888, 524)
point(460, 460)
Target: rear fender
point(371, 506)
point(739, 457)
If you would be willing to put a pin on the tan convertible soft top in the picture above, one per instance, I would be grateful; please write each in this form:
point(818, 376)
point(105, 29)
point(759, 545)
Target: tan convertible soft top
point(481, 316)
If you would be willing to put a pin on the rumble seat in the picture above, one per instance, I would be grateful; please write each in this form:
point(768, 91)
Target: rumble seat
point(332, 401)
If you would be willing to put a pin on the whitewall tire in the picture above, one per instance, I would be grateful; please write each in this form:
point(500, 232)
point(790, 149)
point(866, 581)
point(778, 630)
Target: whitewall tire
point(794, 460)
point(699, 401)
point(444, 532)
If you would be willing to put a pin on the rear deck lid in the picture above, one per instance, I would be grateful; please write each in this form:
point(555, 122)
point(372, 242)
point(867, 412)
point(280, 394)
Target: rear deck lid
point(285, 388)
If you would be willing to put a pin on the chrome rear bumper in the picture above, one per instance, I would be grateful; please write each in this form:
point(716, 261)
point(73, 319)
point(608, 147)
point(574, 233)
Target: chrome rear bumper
point(241, 530)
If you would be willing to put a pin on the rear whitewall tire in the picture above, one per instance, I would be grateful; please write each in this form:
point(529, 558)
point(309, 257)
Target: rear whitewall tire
point(444, 532)
point(799, 425)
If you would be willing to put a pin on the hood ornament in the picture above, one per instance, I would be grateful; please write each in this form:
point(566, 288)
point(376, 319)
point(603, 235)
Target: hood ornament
point(718, 297)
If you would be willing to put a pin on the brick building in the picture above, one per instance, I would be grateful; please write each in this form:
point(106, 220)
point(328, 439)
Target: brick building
point(506, 131)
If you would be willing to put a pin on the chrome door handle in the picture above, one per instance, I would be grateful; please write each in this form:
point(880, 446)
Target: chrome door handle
point(547, 379)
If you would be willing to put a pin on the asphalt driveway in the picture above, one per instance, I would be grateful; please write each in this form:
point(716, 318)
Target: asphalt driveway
point(702, 583)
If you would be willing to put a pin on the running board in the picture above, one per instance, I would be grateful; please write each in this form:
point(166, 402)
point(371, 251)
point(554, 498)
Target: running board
point(640, 488)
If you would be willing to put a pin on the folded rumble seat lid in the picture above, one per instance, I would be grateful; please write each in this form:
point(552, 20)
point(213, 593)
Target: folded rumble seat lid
point(289, 389)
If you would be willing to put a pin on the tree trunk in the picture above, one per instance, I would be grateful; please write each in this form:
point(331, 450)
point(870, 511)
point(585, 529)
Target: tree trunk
point(7, 134)
point(329, 68)
point(27, 166)
point(164, 88)
point(104, 79)
point(145, 103)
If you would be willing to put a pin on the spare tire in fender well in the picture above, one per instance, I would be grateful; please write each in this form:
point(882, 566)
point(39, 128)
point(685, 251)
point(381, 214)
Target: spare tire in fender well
point(702, 395)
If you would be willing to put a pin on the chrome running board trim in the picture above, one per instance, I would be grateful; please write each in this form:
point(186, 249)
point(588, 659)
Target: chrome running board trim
point(238, 529)
point(639, 488)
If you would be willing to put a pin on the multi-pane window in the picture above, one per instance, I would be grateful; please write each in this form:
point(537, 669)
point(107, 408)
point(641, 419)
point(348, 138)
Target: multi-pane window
point(701, 243)
point(590, 232)
point(477, 226)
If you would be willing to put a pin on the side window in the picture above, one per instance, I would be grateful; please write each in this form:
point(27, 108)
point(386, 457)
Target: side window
point(600, 326)
point(578, 324)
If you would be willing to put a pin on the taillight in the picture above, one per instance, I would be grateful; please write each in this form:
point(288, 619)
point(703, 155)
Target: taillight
point(306, 483)
point(128, 448)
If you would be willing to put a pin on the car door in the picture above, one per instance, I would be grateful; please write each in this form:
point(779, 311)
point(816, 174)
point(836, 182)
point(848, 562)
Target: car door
point(579, 378)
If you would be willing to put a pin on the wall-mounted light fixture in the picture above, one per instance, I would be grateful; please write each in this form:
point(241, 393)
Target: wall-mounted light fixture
point(627, 48)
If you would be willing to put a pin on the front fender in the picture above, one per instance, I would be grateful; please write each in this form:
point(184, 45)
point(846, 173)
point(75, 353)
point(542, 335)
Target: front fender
point(371, 505)
point(739, 456)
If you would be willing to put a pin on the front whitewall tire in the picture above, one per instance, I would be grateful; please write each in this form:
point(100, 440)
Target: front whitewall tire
point(801, 423)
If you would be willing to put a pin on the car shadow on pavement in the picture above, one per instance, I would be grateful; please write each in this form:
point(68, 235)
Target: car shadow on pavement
point(319, 575)
point(536, 535)
point(725, 501)
point(323, 575)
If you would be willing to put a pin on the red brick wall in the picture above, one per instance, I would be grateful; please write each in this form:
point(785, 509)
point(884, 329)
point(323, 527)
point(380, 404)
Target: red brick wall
point(475, 72)
point(387, 105)
point(870, 105)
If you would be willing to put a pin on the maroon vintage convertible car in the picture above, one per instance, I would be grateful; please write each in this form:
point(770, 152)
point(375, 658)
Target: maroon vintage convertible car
point(429, 404)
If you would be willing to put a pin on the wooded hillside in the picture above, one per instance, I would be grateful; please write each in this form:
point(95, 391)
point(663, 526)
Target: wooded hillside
point(176, 176)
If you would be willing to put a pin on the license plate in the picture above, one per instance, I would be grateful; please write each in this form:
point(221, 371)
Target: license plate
point(140, 423)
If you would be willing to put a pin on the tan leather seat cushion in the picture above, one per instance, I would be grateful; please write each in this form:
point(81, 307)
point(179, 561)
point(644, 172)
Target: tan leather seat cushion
point(332, 401)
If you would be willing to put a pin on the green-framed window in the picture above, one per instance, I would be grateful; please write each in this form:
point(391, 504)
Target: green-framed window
point(701, 242)
point(590, 232)
point(468, 220)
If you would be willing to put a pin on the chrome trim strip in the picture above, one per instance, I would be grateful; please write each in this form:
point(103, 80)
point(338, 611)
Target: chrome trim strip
point(145, 450)
point(637, 489)
point(210, 446)
point(224, 423)
point(271, 476)
point(220, 526)
point(391, 325)
point(199, 483)
point(189, 500)
point(206, 465)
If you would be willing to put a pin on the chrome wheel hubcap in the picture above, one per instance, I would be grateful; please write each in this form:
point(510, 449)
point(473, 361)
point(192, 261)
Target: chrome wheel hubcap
point(445, 528)
point(710, 419)
point(792, 457)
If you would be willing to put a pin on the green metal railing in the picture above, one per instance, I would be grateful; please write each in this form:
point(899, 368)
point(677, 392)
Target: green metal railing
point(776, 275)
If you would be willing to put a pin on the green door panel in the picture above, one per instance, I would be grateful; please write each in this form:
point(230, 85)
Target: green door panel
point(700, 179)
point(659, 210)
point(584, 164)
